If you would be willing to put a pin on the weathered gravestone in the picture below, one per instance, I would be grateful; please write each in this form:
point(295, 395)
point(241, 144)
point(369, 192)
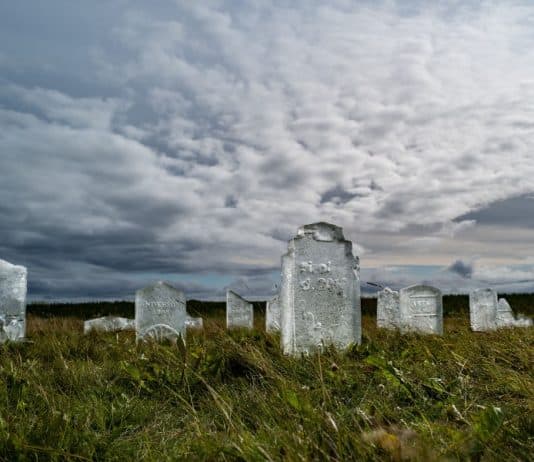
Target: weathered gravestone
point(160, 313)
point(483, 309)
point(239, 312)
point(13, 289)
point(272, 314)
point(506, 318)
point(194, 323)
point(108, 324)
point(320, 293)
point(388, 309)
point(421, 309)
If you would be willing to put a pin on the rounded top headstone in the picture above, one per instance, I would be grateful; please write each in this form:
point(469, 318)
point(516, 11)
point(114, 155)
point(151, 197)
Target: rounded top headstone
point(322, 231)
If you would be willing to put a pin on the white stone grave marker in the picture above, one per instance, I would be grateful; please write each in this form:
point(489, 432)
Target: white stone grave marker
point(13, 289)
point(320, 293)
point(388, 309)
point(483, 309)
point(160, 313)
point(421, 309)
point(272, 314)
point(239, 312)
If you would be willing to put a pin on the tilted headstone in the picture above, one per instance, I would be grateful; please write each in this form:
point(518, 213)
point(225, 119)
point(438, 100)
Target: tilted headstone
point(239, 312)
point(13, 289)
point(483, 309)
point(421, 309)
point(160, 313)
point(108, 324)
point(506, 318)
point(272, 314)
point(388, 309)
point(320, 293)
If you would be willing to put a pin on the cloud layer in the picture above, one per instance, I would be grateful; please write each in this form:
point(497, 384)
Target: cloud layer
point(188, 142)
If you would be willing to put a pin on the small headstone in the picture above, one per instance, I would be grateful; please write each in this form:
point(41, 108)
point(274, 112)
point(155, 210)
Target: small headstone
point(160, 313)
point(239, 312)
point(421, 309)
point(506, 318)
point(194, 323)
point(388, 309)
point(320, 293)
point(272, 314)
point(108, 324)
point(13, 289)
point(483, 309)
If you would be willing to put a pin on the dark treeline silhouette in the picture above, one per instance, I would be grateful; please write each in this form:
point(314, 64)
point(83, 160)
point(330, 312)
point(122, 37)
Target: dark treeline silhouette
point(452, 305)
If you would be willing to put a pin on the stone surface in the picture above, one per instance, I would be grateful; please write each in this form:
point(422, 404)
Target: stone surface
point(108, 324)
point(194, 323)
point(272, 314)
point(160, 313)
point(388, 309)
point(483, 309)
point(506, 318)
point(421, 310)
point(239, 312)
point(320, 292)
point(13, 289)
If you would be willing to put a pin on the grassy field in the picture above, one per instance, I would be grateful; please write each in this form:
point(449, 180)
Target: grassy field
point(234, 396)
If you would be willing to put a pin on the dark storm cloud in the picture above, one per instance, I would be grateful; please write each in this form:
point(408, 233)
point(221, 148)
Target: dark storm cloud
point(140, 141)
point(516, 212)
point(464, 269)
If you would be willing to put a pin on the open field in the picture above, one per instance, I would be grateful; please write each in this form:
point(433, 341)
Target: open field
point(234, 396)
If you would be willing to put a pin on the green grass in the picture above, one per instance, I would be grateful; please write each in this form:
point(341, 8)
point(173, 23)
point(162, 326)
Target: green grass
point(234, 396)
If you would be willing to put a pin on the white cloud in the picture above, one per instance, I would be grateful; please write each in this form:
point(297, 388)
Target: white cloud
point(413, 118)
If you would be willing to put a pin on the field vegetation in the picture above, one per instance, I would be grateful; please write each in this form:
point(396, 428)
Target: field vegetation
point(234, 396)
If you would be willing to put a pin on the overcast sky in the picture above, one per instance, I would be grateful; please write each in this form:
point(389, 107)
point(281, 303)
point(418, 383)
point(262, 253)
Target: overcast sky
point(169, 140)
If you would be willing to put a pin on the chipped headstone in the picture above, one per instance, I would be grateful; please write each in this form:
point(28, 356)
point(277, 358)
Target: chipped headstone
point(239, 312)
point(13, 289)
point(506, 318)
point(108, 324)
point(160, 313)
point(272, 314)
point(320, 293)
point(388, 309)
point(421, 309)
point(483, 309)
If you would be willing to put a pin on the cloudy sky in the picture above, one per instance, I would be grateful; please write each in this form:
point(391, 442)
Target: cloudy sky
point(170, 140)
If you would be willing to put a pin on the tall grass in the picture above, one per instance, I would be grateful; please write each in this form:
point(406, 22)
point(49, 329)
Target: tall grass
point(234, 396)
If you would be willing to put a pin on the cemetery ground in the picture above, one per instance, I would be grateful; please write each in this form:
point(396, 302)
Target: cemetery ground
point(232, 395)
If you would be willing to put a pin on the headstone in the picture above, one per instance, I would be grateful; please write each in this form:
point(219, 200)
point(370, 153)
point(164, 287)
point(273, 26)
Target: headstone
point(421, 309)
point(194, 323)
point(388, 309)
point(506, 318)
point(13, 289)
point(483, 309)
point(272, 314)
point(108, 324)
point(320, 293)
point(160, 313)
point(239, 312)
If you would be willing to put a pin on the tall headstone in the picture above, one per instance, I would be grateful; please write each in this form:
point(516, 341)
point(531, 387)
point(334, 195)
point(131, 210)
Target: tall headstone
point(421, 309)
point(388, 309)
point(160, 313)
point(239, 312)
point(272, 314)
point(13, 289)
point(320, 293)
point(108, 324)
point(483, 309)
